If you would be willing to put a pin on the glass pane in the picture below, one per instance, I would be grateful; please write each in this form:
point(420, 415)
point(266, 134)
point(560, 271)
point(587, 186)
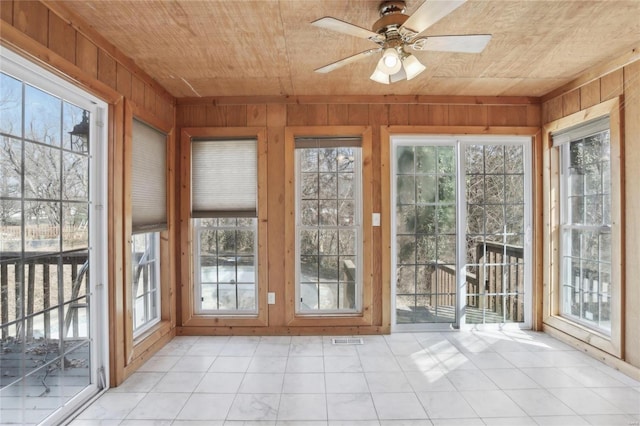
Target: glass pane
point(75, 131)
point(328, 213)
point(42, 226)
point(227, 297)
point(227, 242)
point(75, 229)
point(494, 159)
point(75, 181)
point(514, 159)
point(10, 170)
point(309, 213)
point(246, 296)
point(405, 219)
point(329, 268)
point(474, 159)
point(11, 101)
point(76, 322)
point(10, 220)
point(309, 186)
point(348, 242)
point(245, 241)
point(209, 296)
point(404, 155)
point(328, 242)
point(348, 270)
point(447, 189)
point(309, 160)
point(42, 116)
point(309, 296)
point(446, 160)
point(309, 268)
point(406, 189)
point(425, 159)
point(308, 242)
point(327, 160)
point(425, 189)
point(426, 248)
point(426, 219)
point(346, 213)
point(328, 296)
point(41, 172)
point(345, 158)
point(345, 185)
point(328, 185)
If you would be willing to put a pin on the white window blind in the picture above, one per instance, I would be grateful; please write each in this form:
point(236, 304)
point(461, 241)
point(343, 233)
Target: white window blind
point(581, 131)
point(148, 179)
point(224, 178)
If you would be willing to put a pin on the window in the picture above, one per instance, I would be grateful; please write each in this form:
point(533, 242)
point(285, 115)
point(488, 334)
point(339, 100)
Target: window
point(583, 254)
point(224, 211)
point(328, 225)
point(146, 280)
point(585, 224)
point(149, 219)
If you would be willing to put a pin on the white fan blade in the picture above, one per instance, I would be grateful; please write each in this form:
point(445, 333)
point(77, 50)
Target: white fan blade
point(430, 12)
point(337, 25)
point(347, 60)
point(456, 43)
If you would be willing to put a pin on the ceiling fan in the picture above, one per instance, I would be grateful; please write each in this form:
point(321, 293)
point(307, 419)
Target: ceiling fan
point(395, 33)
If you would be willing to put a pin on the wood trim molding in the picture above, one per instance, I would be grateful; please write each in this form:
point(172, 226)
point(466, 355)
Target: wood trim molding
point(365, 317)
point(360, 99)
point(188, 316)
point(613, 344)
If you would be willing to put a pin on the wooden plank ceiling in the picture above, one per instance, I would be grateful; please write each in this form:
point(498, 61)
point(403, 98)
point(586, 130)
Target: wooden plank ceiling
point(267, 47)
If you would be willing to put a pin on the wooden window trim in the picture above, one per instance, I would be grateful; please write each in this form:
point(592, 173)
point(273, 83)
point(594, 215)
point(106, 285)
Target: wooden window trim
point(136, 348)
point(612, 344)
point(363, 318)
point(188, 315)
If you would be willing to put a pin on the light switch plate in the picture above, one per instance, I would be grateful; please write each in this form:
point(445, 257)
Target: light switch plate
point(271, 298)
point(375, 219)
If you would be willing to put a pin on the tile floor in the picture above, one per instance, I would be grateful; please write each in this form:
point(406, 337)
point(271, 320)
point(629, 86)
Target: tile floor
point(453, 378)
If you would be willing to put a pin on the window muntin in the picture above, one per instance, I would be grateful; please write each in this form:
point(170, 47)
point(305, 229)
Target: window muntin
point(328, 227)
point(145, 261)
point(226, 260)
point(585, 227)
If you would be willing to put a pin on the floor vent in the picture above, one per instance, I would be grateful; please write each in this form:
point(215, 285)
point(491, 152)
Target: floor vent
point(347, 341)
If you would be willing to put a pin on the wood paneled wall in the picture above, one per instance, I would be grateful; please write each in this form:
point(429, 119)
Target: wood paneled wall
point(50, 35)
point(593, 89)
point(276, 114)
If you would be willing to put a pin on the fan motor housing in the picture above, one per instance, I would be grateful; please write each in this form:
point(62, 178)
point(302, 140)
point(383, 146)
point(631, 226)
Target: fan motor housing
point(391, 16)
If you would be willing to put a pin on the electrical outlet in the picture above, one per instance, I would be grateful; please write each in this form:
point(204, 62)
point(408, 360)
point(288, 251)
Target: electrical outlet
point(271, 298)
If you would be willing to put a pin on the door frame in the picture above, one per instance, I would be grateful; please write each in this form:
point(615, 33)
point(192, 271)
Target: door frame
point(416, 138)
point(98, 330)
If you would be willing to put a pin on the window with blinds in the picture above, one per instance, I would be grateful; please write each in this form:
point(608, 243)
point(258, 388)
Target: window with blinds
point(224, 180)
point(148, 179)
point(224, 190)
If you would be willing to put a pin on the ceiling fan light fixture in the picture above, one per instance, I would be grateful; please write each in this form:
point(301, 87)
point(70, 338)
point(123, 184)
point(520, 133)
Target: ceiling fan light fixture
point(390, 62)
point(412, 66)
point(380, 77)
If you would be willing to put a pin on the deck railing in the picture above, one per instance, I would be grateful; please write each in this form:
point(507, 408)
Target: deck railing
point(37, 285)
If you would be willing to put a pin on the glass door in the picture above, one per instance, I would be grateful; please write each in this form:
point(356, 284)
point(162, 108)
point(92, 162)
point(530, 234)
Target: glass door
point(52, 246)
point(460, 245)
